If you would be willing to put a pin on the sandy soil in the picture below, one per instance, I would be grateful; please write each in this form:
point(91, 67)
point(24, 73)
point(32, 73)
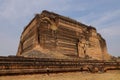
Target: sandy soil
point(110, 75)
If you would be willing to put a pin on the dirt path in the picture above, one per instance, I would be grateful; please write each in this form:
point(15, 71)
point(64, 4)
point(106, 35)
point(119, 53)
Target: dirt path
point(110, 75)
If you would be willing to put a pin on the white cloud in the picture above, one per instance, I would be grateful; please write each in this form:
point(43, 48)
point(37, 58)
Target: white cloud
point(99, 19)
point(12, 9)
point(107, 16)
point(112, 30)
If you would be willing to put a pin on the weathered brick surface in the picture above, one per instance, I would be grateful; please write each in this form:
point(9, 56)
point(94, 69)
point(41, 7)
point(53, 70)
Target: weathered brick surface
point(53, 35)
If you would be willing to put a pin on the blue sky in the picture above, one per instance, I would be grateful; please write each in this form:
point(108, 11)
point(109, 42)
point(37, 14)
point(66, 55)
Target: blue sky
point(102, 14)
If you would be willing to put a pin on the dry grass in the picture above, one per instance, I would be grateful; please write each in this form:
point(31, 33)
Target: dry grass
point(110, 75)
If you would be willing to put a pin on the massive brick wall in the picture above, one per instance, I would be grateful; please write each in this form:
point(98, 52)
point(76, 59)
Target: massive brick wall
point(53, 35)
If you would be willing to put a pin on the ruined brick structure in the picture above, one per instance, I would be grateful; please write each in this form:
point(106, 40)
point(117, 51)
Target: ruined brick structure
point(54, 36)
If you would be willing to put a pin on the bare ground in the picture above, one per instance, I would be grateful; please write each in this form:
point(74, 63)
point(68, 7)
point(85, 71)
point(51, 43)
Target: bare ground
point(110, 75)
